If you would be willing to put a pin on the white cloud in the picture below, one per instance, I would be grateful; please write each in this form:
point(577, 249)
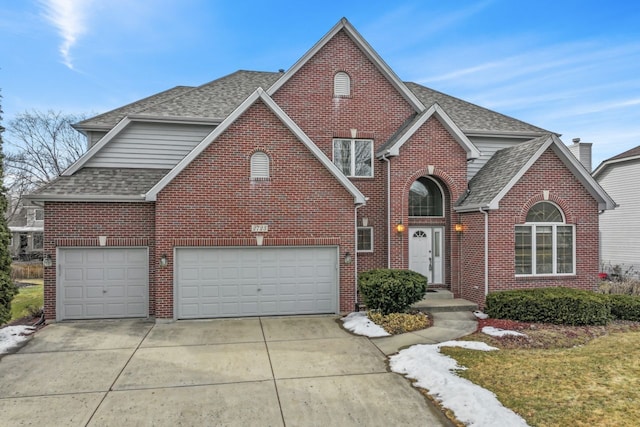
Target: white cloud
point(69, 18)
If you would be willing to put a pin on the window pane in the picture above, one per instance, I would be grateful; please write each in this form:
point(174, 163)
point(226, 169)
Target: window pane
point(564, 251)
point(523, 250)
point(342, 155)
point(425, 198)
point(37, 241)
point(544, 249)
point(365, 238)
point(544, 212)
point(364, 166)
point(39, 215)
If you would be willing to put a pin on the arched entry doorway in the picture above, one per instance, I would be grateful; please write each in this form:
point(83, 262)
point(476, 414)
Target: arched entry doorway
point(426, 229)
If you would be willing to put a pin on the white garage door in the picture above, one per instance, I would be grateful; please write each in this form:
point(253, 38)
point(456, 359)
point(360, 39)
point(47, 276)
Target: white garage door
point(103, 283)
point(259, 281)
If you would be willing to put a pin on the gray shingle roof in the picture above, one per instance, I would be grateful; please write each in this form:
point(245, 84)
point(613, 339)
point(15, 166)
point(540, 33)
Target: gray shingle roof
point(470, 117)
point(498, 171)
point(216, 99)
point(111, 118)
point(101, 182)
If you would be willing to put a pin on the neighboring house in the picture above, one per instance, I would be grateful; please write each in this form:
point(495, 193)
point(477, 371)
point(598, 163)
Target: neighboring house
point(26, 228)
point(265, 193)
point(620, 228)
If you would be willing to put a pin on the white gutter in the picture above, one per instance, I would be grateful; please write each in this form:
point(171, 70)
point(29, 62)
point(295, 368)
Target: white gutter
point(384, 157)
point(486, 251)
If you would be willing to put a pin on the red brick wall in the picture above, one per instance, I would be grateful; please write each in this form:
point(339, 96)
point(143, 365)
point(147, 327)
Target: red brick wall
point(72, 224)
point(430, 145)
point(375, 109)
point(213, 198)
point(580, 209)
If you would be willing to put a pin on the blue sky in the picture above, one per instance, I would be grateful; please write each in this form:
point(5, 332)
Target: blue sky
point(572, 67)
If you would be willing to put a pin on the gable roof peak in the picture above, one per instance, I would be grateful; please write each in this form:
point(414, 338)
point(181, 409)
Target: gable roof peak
point(344, 25)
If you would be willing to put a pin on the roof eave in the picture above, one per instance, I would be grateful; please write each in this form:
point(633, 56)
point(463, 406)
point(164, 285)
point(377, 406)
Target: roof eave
point(446, 121)
point(259, 93)
point(373, 56)
point(84, 198)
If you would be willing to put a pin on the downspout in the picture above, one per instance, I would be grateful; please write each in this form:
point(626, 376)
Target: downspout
point(486, 251)
point(384, 157)
point(355, 253)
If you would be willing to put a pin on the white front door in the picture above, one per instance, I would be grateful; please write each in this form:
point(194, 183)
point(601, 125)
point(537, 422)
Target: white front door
point(426, 252)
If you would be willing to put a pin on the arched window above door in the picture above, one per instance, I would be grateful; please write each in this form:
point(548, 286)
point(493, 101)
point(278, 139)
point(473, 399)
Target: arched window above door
point(425, 198)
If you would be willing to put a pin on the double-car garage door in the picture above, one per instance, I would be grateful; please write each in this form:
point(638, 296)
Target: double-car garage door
point(257, 281)
point(96, 283)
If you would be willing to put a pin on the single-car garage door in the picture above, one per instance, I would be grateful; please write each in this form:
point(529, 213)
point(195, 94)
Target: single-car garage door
point(103, 283)
point(258, 281)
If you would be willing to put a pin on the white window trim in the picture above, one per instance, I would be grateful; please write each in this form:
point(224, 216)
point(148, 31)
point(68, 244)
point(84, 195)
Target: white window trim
point(371, 233)
point(353, 156)
point(554, 247)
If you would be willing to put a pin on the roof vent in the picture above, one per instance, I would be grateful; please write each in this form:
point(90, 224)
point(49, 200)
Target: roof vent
point(281, 70)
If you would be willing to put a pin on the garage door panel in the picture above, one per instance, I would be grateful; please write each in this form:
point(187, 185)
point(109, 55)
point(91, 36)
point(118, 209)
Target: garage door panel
point(255, 281)
point(103, 283)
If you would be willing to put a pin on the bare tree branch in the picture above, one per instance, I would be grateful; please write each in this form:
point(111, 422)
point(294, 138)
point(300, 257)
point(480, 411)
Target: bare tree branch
point(39, 147)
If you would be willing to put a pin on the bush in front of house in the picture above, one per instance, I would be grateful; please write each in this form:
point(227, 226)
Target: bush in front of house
point(390, 290)
point(625, 307)
point(561, 306)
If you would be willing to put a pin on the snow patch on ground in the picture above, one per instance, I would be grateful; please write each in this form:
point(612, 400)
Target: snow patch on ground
point(358, 323)
point(480, 315)
point(497, 332)
point(433, 371)
point(12, 336)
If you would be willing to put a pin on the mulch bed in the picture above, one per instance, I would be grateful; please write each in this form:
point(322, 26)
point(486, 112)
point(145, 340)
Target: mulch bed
point(546, 335)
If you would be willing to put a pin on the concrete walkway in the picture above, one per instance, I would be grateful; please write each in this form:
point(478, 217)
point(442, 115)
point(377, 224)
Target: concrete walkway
point(447, 326)
point(249, 372)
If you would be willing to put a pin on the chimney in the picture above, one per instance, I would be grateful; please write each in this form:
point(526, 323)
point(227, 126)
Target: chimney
point(582, 151)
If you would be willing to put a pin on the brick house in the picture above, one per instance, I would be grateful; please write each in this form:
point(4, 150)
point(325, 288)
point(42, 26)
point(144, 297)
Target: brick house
point(266, 193)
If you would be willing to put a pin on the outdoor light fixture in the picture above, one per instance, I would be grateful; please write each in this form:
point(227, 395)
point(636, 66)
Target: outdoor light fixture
point(400, 228)
point(46, 261)
point(163, 260)
point(458, 228)
point(347, 258)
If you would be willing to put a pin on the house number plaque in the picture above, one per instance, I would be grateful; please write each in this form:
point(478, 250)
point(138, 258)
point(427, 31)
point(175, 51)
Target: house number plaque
point(259, 228)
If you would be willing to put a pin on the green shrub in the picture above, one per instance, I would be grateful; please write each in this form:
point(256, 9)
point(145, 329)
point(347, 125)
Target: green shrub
point(391, 291)
point(563, 306)
point(625, 307)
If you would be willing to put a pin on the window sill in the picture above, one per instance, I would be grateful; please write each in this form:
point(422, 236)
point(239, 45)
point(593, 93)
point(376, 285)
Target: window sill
point(365, 252)
point(545, 276)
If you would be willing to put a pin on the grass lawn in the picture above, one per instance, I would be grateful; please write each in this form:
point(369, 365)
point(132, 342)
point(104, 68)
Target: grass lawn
point(28, 296)
point(597, 383)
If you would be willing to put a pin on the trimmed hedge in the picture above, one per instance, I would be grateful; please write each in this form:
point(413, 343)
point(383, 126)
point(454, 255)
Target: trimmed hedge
point(563, 306)
point(391, 291)
point(625, 307)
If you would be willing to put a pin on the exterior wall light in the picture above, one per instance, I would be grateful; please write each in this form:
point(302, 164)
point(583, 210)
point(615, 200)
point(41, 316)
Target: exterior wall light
point(347, 258)
point(46, 261)
point(459, 228)
point(400, 228)
point(163, 260)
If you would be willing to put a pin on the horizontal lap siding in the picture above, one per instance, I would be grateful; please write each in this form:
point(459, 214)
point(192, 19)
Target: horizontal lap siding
point(150, 145)
point(620, 228)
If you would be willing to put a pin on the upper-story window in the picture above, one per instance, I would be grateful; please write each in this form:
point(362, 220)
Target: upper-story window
point(545, 244)
point(341, 84)
point(259, 166)
point(354, 157)
point(425, 198)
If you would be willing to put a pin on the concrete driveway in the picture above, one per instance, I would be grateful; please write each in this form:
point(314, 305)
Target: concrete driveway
point(293, 371)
